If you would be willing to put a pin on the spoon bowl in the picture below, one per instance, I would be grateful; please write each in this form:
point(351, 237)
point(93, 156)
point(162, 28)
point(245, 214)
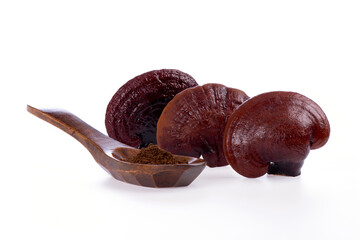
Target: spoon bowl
point(111, 155)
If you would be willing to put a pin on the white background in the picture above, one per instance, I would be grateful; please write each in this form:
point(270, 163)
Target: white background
point(76, 54)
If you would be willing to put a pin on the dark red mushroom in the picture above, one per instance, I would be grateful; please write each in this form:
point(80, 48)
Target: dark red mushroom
point(193, 123)
point(273, 133)
point(133, 112)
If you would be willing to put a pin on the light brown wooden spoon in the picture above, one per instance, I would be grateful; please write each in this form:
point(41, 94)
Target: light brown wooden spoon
point(111, 154)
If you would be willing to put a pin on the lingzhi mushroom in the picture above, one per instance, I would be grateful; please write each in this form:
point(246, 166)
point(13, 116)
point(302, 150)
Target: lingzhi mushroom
point(273, 133)
point(192, 124)
point(133, 112)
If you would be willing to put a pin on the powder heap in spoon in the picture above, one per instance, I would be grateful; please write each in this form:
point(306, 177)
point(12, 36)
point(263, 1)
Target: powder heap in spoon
point(152, 154)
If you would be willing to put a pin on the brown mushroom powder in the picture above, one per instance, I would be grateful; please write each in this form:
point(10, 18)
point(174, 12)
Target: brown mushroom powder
point(152, 154)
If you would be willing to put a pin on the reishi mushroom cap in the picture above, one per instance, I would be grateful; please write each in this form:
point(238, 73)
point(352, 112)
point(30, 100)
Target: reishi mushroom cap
point(273, 133)
point(193, 122)
point(132, 113)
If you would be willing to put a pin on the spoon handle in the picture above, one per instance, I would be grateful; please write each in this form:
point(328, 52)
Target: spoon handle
point(91, 138)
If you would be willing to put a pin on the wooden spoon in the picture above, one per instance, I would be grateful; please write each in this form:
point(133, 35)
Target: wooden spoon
point(111, 154)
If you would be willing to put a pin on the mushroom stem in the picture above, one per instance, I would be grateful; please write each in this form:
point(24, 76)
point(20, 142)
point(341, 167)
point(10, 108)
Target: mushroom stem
point(285, 168)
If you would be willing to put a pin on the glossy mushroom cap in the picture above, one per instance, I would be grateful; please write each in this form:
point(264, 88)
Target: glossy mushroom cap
point(273, 133)
point(133, 112)
point(192, 124)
